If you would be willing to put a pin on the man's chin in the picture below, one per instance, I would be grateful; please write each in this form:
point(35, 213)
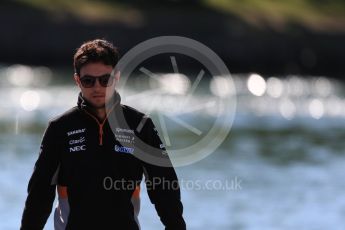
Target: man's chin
point(98, 105)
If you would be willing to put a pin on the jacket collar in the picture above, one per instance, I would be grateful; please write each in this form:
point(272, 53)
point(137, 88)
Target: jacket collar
point(114, 101)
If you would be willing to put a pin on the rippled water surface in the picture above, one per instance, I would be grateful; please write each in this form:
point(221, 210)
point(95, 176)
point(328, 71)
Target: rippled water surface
point(280, 167)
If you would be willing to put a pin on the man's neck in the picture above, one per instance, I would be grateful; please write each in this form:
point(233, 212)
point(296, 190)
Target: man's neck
point(100, 113)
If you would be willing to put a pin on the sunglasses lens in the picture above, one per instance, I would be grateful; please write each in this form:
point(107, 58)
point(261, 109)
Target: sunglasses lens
point(106, 81)
point(88, 82)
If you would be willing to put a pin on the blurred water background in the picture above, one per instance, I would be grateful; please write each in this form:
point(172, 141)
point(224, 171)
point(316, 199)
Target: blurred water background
point(280, 167)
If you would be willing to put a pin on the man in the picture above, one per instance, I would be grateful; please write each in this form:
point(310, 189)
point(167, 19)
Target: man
point(83, 156)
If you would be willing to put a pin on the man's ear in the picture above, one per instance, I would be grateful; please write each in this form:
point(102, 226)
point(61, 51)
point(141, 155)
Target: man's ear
point(77, 79)
point(117, 76)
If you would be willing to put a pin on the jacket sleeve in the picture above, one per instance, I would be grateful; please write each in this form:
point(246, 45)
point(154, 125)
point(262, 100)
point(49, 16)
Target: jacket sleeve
point(41, 187)
point(162, 184)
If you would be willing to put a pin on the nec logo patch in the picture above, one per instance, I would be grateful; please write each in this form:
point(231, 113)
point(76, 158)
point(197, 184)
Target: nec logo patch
point(77, 148)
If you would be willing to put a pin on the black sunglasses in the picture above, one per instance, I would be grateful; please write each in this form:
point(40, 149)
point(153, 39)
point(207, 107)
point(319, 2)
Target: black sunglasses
point(105, 80)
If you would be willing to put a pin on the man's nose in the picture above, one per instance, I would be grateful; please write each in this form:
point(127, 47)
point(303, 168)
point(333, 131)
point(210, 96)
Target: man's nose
point(97, 85)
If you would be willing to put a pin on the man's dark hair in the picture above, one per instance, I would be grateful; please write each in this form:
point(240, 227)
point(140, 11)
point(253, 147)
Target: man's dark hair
point(98, 50)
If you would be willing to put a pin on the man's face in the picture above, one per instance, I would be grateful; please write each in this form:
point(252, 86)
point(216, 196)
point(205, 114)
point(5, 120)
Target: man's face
point(96, 95)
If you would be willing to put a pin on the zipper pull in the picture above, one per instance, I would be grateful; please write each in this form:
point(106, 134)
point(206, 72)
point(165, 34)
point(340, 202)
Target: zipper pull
point(100, 134)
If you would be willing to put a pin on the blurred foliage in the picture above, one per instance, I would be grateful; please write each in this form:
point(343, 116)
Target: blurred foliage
point(274, 13)
point(90, 10)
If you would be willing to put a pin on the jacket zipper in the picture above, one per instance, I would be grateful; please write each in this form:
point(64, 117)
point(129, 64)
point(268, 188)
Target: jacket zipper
point(101, 134)
point(100, 125)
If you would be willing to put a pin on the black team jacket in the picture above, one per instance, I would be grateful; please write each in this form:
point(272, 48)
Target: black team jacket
point(98, 164)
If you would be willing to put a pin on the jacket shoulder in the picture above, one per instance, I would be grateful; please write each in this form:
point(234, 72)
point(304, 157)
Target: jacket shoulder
point(68, 115)
point(138, 119)
point(130, 111)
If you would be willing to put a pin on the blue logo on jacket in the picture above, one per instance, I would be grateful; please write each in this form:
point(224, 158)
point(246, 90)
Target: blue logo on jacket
point(123, 149)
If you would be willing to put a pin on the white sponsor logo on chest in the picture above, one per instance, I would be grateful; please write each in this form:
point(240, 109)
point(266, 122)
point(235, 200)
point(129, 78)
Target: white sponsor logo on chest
point(120, 130)
point(76, 131)
point(78, 141)
point(77, 148)
point(125, 136)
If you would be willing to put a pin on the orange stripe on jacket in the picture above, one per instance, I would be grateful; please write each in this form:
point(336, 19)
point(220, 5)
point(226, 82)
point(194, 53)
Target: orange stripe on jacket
point(62, 192)
point(136, 193)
